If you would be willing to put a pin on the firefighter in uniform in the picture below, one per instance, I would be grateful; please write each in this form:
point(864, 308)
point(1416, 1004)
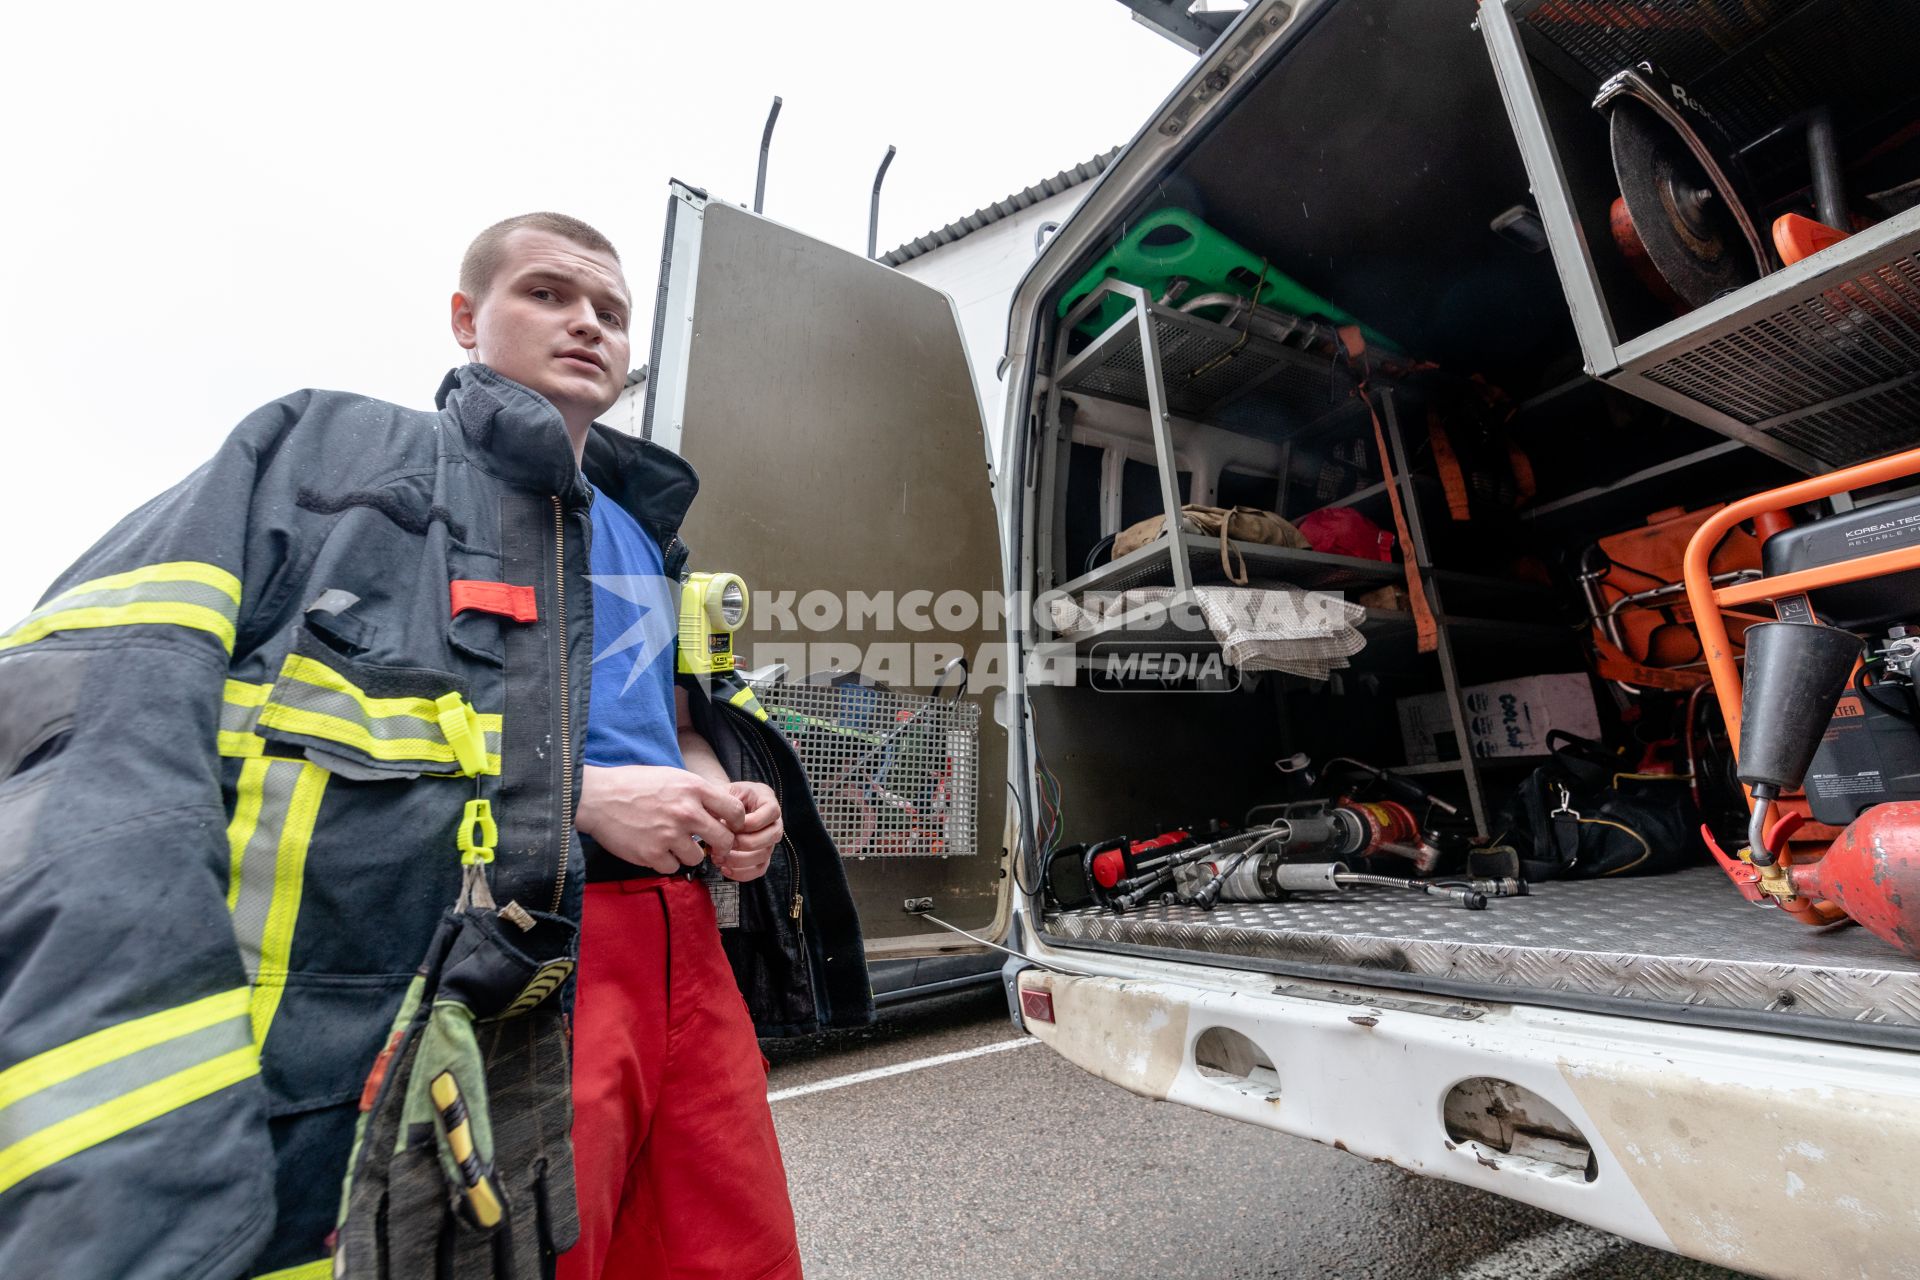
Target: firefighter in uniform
point(289, 876)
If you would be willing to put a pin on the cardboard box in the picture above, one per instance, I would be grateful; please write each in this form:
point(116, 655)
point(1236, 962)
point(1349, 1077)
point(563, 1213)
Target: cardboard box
point(1505, 719)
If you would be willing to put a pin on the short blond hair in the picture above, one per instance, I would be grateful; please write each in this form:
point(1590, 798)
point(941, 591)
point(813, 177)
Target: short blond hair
point(482, 259)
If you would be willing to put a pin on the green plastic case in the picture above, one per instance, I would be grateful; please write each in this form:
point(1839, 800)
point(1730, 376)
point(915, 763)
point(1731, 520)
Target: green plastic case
point(1171, 243)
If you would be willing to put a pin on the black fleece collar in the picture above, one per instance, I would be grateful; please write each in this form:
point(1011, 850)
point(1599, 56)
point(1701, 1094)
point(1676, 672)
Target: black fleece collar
point(655, 485)
point(512, 432)
point(515, 433)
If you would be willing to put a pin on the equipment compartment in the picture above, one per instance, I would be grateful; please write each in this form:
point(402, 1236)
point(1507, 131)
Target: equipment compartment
point(1817, 362)
point(1521, 481)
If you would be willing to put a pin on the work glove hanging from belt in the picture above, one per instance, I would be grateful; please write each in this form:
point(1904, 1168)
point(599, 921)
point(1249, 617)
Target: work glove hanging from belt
point(462, 1166)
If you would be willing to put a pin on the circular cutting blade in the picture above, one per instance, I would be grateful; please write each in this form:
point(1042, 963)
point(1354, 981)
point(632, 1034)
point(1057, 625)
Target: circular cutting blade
point(1690, 236)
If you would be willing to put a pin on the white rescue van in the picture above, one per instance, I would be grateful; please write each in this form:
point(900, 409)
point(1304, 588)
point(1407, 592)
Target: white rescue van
point(1435, 185)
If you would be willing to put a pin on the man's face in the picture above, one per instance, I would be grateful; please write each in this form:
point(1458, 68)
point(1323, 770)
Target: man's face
point(554, 319)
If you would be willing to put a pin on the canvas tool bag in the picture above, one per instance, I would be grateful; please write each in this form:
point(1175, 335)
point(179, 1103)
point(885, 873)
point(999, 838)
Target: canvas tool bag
point(1581, 817)
point(1230, 524)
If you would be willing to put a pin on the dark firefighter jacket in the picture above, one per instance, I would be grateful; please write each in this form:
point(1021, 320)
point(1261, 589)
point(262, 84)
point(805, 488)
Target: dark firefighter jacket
point(236, 740)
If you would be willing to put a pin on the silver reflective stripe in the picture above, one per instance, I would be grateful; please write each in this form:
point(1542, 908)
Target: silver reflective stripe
point(198, 594)
point(259, 860)
point(327, 702)
point(68, 1098)
point(75, 1096)
point(235, 718)
point(239, 717)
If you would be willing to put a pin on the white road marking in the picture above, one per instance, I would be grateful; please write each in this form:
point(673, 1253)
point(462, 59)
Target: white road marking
point(1550, 1253)
point(898, 1069)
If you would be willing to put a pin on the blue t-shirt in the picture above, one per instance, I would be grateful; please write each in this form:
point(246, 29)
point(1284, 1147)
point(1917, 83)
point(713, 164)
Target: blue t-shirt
point(635, 625)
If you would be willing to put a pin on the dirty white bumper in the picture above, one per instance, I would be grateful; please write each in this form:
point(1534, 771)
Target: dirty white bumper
point(1774, 1155)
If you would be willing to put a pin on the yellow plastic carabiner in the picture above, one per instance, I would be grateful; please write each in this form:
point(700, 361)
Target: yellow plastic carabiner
point(478, 833)
point(461, 725)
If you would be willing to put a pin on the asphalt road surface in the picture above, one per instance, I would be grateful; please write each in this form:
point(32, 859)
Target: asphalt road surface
point(1005, 1161)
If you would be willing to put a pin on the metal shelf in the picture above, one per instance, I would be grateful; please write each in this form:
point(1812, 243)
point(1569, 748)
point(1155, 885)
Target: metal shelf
point(1390, 633)
point(1459, 766)
point(1151, 566)
point(1822, 357)
point(1151, 628)
point(1205, 366)
point(1757, 62)
point(1378, 489)
point(1177, 627)
point(1817, 364)
point(1646, 475)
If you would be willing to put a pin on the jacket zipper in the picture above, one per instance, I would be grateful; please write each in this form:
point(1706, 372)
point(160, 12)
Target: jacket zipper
point(566, 701)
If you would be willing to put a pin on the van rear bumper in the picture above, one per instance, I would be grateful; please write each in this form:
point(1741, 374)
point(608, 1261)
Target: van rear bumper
point(1774, 1155)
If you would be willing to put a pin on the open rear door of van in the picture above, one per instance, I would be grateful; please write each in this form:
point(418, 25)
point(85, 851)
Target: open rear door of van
point(826, 402)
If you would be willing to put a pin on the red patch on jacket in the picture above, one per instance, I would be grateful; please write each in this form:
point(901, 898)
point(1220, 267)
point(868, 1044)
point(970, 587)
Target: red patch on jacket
point(502, 598)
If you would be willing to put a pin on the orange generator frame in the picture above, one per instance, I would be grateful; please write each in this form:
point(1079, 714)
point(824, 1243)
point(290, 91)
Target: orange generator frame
point(1851, 879)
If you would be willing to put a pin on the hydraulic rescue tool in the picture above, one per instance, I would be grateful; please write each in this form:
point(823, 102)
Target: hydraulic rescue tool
point(1254, 875)
point(1805, 694)
point(1393, 815)
point(1264, 863)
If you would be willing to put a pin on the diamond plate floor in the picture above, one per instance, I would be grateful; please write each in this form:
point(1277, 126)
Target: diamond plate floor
point(1686, 939)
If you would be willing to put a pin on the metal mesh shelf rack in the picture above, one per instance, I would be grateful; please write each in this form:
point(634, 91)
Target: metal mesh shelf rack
point(1817, 364)
point(893, 774)
point(1202, 365)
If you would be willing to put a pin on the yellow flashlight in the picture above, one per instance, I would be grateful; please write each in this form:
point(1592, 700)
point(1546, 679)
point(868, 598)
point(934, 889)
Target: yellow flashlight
point(712, 607)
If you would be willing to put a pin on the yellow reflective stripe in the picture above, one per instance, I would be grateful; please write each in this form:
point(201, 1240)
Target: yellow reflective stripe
point(101, 1047)
point(126, 615)
point(207, 575)
point(290, 865)
point(91, 604)
point(321, 1270)
point(52, 1084)
point(271, 894)
point(372, 725)
point(90, 1128)
point(239, 712)
point(314, 724)
point(241, 694)
point(240, 746)
point(321, 676)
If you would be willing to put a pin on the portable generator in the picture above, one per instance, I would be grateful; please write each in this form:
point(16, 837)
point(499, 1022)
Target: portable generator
point(1825, 701)
point(1870, 751)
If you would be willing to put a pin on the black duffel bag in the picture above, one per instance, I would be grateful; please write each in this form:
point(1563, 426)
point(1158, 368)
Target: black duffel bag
point(1580, 816)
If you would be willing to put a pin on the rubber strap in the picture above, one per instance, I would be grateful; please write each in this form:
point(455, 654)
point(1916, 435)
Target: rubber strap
point(1453, 478)
point(1426, 629)
point(1228, 551)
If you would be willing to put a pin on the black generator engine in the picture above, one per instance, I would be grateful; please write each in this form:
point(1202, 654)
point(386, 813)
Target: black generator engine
point(1870, 753)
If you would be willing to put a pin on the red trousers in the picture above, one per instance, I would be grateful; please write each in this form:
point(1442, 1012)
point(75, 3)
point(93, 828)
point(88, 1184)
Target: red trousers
point(675, 1157)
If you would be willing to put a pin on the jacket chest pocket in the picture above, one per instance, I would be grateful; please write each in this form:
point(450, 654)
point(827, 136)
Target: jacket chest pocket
point(364, 720)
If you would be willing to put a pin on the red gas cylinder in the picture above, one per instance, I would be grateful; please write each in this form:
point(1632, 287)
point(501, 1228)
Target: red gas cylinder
point(1872, 872)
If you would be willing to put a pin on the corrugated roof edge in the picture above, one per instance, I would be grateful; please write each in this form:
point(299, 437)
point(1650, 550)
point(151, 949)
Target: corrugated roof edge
point(1065, 180)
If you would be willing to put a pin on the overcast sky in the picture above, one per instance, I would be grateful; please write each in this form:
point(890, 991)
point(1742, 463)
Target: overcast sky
point(212, 205)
